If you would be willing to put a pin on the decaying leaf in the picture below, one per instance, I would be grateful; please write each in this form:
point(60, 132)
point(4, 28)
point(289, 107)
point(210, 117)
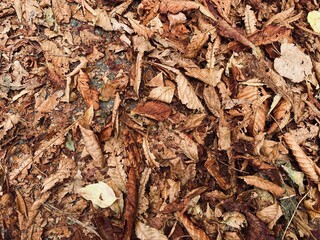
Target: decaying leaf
point(101, 194)
point(293, 63)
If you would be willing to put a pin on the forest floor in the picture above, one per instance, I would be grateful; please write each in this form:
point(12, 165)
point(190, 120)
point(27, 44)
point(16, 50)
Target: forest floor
point(159, 119)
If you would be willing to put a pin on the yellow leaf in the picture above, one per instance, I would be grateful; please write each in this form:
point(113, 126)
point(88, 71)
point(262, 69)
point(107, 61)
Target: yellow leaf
point(100, 194)
point(314, 20)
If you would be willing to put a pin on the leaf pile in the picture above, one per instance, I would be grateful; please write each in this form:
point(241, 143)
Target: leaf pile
point(159, 119)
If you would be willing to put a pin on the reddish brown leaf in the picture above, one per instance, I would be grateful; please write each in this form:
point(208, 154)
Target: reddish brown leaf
point(131, 204)
point(264, 184)
point(195, 232)
point(156, 110)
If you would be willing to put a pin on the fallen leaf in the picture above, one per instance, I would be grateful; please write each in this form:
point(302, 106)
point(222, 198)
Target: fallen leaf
point(314, 20)
point(293, 63)
point(195, 232)
point(145, 232)
point(90, 96)
point(187, 94)
point(61, 10)
point(270, 214)
point(264, 184)
point(306, 164)
point(235, 220)
point(162, 93)
point(92, 146)
point(155, 110)
point(101, 194)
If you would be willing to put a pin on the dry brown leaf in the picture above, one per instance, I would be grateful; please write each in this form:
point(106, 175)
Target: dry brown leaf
point(281, 116)
point(110, 88)
point(102, 20)
point(213, 168)
point(271, 78)
point(90, 96)
point(293, 63)
point(143, 202)
point(64, 171)
point(306, 164)
point(270, 214)
point(150, 158)
point(212, 50)
point(235, 220)
point(259, 116)
point(117, 173)
point(95, 55)
point(206, 75)
point(224, 137)
point(175, 19)
point(226, 30)
point(35, 208)
point(155, 110)
point(131, 204)
point(50, 103)
point(140, 29)
point(89, 38)
point(197, 41)
point(61, 10)
point(187, 94)
point(162, 93)
point(212, 100)
point(188, 146)
point(268, 35)
point(223, 7)
point(145, 232)
point(192, 122)
point(264, 184)
point(57, 57)
point(141, 45)
point(176, 6)
point(250, 21)
point(93, 146)
point(195, 232)
point(280, 17)
point(21, 204)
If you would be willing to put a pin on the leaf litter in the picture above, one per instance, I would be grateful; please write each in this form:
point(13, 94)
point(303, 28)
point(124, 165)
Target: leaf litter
point(159, 119)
